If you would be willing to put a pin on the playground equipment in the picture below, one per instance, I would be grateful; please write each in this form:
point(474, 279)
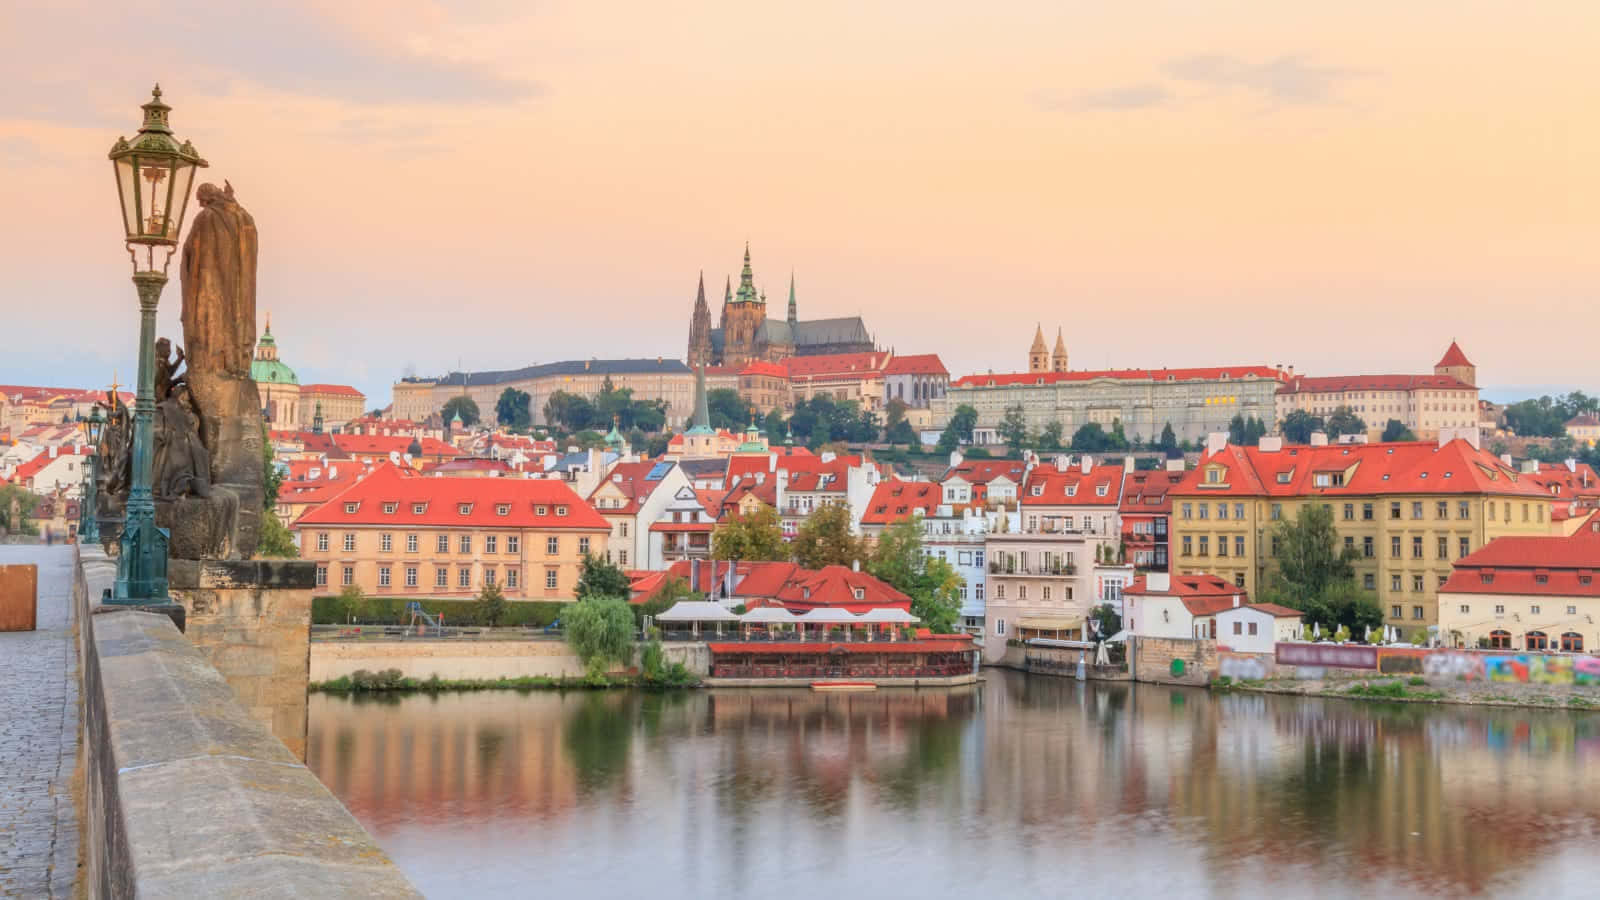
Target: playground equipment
point(415, 612)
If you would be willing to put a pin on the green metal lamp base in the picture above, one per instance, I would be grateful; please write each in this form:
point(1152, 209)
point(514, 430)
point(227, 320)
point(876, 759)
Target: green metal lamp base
point(142, 564)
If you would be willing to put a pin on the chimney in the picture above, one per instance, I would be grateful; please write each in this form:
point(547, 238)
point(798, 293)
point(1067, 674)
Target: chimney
point(53, 450)
point(1127, 465)
point(761, 478)
point(1176, 465)
point(694, 575)
point(1086, 464)
point(1530, 467)
point(828, 457)
point(1235, 601)
point(1505, 458)
point(855, 566)
point(772, 461)
point(1571, 464)
point(955, 458)
point(1215, 441)
point(1319, 439)
point(1158, 581)
point(1271, 444)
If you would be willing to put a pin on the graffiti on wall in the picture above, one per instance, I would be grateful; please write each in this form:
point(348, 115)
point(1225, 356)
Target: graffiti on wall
point(1343, 656)
point(1517, 668)
point(1241, 667)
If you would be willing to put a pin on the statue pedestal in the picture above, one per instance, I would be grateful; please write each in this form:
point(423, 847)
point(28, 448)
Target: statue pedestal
point(252, 620)
point(201, 527)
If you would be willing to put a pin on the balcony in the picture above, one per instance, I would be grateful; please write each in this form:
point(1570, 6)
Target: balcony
point(1045, 570)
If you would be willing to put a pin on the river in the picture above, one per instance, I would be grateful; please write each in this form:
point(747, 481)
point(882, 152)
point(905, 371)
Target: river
point(1018, 787)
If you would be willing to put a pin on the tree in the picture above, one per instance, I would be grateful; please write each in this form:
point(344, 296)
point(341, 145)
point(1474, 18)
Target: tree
point(1013, 428)
point(728, 410)
point(1106, 620)
point(1544, 417)
point(1050, 436)
point(1309, 554)
point(1298, 425)
point(897, 430)
point(612, 406)
point(275, 542)
point(570, 411)
point(1236, 430)
point(490, 607)
point(773, 426)
point(350, 602)
point(1396, 430)
point(757, 536)
point(600, 630)
point(271, 478)
point(1344, 421)
point(1340, 604)
point(463, 406)
point(1245, 432)
point(958, 430)
point(512, 409)
point(600, 577)
point(671, 591)
point(824, 539)
point(25, 501)
point(1092, 438)
point(933, 586)
point(1169, 440)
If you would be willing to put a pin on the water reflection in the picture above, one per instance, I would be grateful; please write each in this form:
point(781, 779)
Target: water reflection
point(1019, 784)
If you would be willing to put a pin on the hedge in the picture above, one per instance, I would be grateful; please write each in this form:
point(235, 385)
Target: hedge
point(391, 611)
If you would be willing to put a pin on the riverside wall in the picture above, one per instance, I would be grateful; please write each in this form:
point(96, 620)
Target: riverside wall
point(1153, 660)
point(472, 660)
point(186, 794)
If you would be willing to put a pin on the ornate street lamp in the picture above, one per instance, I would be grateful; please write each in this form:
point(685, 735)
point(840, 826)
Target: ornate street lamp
point(88, 515)
point(154, 173)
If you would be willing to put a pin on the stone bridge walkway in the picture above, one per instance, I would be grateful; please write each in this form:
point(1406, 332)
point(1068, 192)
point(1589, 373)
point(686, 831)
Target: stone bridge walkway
point(39, 736)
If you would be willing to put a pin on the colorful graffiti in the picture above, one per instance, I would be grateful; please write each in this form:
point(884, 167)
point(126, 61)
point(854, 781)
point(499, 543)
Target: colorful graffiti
point(1343, 656)
point(1513, 668)
point(1242, 667)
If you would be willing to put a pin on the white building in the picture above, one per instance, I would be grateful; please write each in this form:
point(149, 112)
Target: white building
point(1159, 605)
point(1257, 628)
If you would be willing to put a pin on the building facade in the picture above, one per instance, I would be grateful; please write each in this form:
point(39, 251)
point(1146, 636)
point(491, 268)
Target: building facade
point(1526, 594)
point(666, 380)
point(337, 403)
point(745, 333)
point(393, 533)
point(277, 385)
point(1425, 404)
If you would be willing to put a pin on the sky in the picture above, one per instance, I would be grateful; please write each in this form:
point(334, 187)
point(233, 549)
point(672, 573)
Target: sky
point(1341, 187)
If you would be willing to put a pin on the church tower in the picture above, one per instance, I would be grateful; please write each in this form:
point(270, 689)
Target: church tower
point(1038, 354)
point(742, 318)
point(1058, 357)
point(1456, 365)
point(794, 309)
point(700, 328)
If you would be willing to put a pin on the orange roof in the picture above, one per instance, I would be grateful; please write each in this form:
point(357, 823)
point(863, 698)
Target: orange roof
point(894, 501)
point(1049, 486)
point(384, 444)
point(343, 390)
point(1406, 467)
point(1273, 609)
point(921, 364)
point(1550, 565)
point(34, 466)
point(1453, 357)
point(1335, 384)
point(1202, 595)
point(456, 503)
point(983, 471)
point(836, 364)
point(1149, 491)
point(1560, 481)
point(762, 367)
point(1201, 374)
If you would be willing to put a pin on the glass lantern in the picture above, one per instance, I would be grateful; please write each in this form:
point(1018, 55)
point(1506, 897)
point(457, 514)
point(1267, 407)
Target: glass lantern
point(154, 177)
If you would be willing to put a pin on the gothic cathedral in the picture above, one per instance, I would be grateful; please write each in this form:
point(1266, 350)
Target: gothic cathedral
point(745, 333)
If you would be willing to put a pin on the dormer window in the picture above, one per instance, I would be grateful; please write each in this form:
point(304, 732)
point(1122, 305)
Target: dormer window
point(350, 508)
point(389, 508)
point(502, 509)
point(464, 509)
point(1038, 490)
point(860, 593)
point(1072, 490)
point(1101, 490)
point(805, 593)
point(1213, 476)
point(561, 510)
point(541, 510)
point(418, 509)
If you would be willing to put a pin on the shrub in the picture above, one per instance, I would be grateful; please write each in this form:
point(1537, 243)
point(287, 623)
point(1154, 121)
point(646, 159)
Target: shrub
point(1416, 681)
point(529, 613)
point(600, 631)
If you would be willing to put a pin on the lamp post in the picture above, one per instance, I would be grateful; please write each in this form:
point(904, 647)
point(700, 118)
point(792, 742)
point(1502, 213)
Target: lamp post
point(88, 515)
point(154, 174)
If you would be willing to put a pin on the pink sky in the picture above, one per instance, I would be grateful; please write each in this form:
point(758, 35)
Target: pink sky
point(510, 183)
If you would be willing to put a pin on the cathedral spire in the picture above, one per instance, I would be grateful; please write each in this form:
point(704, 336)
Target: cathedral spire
point(700, 327)
point(700, 419)
point(794, 311)
point(747, 280)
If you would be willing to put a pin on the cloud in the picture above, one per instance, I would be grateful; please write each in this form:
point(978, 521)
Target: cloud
point(1133, 96)
point(1286, 80)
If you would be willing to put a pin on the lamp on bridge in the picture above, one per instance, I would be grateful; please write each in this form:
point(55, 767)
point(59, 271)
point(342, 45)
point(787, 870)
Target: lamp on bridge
point(88, 516)
point(154, 173)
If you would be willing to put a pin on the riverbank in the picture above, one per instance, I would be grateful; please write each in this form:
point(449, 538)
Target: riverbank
point(392, 681)
point(1416, 689)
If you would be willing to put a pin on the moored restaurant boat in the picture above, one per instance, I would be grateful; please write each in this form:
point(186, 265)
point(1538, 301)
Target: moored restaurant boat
point(842, 686)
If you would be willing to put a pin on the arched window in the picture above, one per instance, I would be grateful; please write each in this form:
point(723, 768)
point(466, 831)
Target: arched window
point(1571, 642)
point(1499, 639)
point(1535, 640)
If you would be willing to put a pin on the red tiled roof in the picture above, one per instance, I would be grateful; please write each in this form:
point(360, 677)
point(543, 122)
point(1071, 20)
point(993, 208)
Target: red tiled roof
point(834, 587)
point(1585, 420)
point(442, 499)
point(1550, 565)
point(1199, 374)
point(933, 643)
point(983, 471)
point(1202, 595)
point(836, 364)
point(467, 464)
point(920, 364)
point(1338, 384)
point(629, 479)
point(1452, 357)
point(27, 470)
point(1048, 486)
point(1559, 481)
point(384, 444)
point(894, 501)
point(343, 390)
point(1149, 491)
point(1276, 611)
point(762, 367)
point(1406, 467)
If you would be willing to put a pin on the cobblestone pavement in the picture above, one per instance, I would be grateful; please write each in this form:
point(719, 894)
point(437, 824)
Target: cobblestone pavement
point(39, 736)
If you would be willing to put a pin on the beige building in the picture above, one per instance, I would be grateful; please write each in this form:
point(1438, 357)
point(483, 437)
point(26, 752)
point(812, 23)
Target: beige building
point(1526, 594)
point(277, 385)
point(668, 380)
point(1423, 403)
point(1038, 585)
point(339, 403)
point(399, 534)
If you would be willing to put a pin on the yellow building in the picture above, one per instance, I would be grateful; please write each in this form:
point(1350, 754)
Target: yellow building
point(399, 534)
point(338, 404)
point(1407, 510)
point(1425, 404)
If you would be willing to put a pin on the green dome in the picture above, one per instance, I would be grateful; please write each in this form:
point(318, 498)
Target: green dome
point(272, 371)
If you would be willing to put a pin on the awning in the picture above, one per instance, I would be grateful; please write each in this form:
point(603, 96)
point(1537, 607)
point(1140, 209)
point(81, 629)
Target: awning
point(888, 614)
point(697, 611)
point(1050, 623)
point(1118, 638)
point(827, 615)
point(768, 615)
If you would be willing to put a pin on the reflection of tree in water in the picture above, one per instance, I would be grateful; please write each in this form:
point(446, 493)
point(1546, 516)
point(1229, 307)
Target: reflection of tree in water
point(598, 735)
point(653, 705)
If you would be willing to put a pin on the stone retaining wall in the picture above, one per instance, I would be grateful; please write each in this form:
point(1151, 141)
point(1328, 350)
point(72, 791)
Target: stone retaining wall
point(185, 793)
point(1152, 660)
point(480, 660)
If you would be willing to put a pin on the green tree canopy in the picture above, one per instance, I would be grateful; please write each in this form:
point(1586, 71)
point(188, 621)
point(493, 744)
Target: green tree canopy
point(1092, 438)
point(1013, 428)
point(1396, 430)
point(934, 587)
point(600, 629)
point(1050, 436)
point(773, 425)
point(959, 429)
point(1298, 425)
point(1169, 440)
point(1344, 421)
point(464, 406)
point(600, 577)
point(512, 409)
point(728, 410)
point(757, 536)
point(569, 411)
point(1309, 554)
point(824, 539)
point(490, 607)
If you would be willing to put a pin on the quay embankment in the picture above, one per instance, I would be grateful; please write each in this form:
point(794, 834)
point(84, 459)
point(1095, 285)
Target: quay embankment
point(186, 793)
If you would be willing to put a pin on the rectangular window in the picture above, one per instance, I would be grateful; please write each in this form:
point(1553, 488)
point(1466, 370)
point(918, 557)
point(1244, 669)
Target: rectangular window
point(1187, 510)
point(1188, 546)
point(1222, 510)
point(1416, 509)
point(349, 542)
point(622, 557)
point(624, 527)
point(1394, 583)
point(513, 543)
point(552, 546)
point(1394, 510)
point(442, 544)
point(1444, 548)
point(491, 543)
point(1222, 545)
point(441, 578)
point(1366, 512)
point(999, 592)
point(411, 543)
point(583, 546)
point(411, 576)
point(1238, 627)
point(1369, 581)
point(1443, 511)
point(348, 576)
point(1274, 546)
point(322, 576)
point(1533, 610)
point(383, 576)
point(1277, 511)
point(488, 576)
point(999, 626)
point(466, 543)
point(1464, 509)
point(385, 542)
point(1416, 584)
point(464, 578)
point(1416, 612)
point(1349, 512)
point(1416, 547)
point(1465, 609)
point(1394, 546)
point(322, 541)
point(550, 579)
point(1205, 510)
point(977, 591)
point(1238, 545)
point(1238, 510)
point(1045, 591)
point(511, 578)
point(1022, 592)
point(1205, 545)
point(1394, 611)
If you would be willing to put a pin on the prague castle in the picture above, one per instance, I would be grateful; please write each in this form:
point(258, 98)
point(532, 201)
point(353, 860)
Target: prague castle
point(745, 333)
